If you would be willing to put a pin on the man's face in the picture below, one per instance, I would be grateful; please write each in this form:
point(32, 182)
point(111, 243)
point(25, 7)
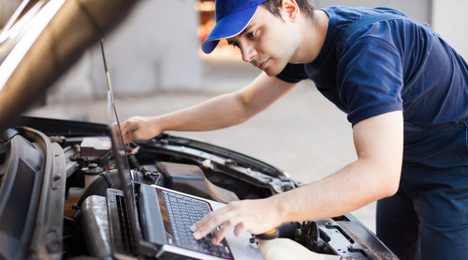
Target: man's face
point(268, 42)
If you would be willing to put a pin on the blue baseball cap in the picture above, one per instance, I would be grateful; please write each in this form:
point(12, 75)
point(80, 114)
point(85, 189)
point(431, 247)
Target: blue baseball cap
point(232, 16)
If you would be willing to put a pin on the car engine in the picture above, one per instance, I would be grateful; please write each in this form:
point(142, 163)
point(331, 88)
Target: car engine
point(54, 175)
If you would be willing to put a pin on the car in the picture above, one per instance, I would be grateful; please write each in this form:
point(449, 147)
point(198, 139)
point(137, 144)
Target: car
point(54, 173)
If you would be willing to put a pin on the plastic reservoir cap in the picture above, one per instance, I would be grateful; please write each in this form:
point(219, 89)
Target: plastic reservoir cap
point(272, 234)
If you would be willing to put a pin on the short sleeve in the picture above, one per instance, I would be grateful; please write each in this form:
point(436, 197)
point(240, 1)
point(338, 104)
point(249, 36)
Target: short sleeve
point(370, 79)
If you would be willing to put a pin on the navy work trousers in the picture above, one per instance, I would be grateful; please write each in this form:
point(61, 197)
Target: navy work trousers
point(428, 217)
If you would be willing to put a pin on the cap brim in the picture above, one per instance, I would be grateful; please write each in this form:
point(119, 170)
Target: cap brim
point(228, 27)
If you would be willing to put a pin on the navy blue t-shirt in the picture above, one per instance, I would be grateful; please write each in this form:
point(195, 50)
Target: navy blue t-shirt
point(388, 66)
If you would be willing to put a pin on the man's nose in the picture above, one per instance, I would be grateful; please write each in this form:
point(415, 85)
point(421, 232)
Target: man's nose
point(248, 52)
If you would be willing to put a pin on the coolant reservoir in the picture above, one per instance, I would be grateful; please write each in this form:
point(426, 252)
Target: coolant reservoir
point(274, 248)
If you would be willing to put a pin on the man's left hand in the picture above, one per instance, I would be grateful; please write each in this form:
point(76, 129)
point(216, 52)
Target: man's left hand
point(254, 216)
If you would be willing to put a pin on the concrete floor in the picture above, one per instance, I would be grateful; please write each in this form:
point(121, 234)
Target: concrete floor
point(302, 134)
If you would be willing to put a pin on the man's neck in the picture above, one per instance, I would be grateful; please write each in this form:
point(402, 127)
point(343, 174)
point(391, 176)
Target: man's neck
point(313, 37)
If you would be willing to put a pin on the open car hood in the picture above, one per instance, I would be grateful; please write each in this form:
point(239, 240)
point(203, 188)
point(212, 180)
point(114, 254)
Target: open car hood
point(42, 40)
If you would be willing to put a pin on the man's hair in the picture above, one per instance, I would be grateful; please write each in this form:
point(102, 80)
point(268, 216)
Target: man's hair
point(273, 7)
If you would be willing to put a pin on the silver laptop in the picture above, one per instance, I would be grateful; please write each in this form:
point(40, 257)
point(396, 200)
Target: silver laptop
point(149, 221)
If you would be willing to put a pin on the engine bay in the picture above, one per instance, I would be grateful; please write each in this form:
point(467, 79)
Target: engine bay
point(55, 166)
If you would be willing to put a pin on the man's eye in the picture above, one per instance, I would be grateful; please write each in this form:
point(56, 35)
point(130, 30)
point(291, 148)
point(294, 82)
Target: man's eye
point(252, 34)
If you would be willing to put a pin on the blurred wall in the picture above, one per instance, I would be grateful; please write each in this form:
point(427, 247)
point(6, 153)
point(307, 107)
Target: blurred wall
point(418, 9)
point(154, 49)
point(450, 20)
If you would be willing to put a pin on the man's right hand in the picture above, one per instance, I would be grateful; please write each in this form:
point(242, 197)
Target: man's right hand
point(139, 128)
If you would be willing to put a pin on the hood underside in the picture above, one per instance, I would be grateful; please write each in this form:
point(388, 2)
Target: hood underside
point(45, 38)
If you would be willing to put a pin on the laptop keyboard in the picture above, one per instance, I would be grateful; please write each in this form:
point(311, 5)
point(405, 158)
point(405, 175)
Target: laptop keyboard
point(183, 212)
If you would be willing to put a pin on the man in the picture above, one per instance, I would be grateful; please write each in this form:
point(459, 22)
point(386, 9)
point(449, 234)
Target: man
point(403, 89)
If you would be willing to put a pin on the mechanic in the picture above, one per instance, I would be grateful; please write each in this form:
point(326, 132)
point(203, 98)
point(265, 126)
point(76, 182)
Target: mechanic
point(405, 92)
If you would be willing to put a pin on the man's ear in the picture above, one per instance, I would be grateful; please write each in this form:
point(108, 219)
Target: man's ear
point(291, 9)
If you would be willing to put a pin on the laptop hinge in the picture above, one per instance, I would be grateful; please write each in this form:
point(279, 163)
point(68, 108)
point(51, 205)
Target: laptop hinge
point(147, 249)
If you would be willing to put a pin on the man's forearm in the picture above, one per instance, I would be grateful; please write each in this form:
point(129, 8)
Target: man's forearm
point(351, 188)
point(216, 113)
point(375, 175)
point(219, 112)
point(228, 109)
